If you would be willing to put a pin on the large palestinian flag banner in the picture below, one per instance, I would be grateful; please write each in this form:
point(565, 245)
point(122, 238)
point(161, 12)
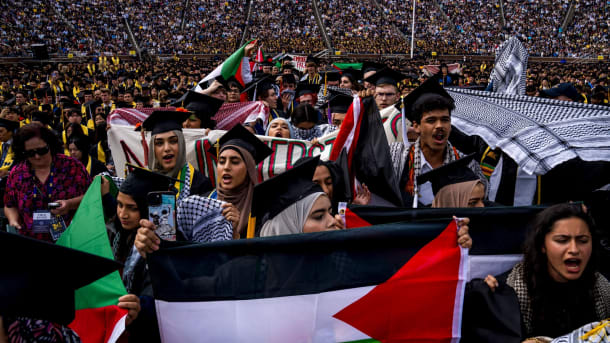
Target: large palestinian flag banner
point(390, 282)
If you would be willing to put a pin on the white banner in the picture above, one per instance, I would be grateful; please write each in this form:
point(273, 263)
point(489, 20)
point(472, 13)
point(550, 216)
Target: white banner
point(126, 146)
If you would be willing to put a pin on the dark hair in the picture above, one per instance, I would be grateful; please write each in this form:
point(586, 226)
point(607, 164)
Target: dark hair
point(304, 113)
point(430, 102)
point(535, 261)
point(33, 130)
point(77, 130)
point(81, 144)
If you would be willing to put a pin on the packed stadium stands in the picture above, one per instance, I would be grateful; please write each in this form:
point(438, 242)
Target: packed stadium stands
point(560, 28)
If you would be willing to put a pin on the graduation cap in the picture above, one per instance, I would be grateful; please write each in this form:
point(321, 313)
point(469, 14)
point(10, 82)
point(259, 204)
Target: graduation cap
point(31, 288)
point(267, 64)
point(289, 78)
point(42, 92)
point(286, 58)
point(386, 76)
point(274, 195)
point(259, 86)
point(202, 106)
point(141, 181)
point(42, 117)
point(239, 136)
point(10, 125)
point(371, 66)
point(331, 75)
point(338, 102)
point(164, 121)
point(354, 74)
point(449, 174)
point(430, 90)
point(311, 59)
point(306, 88)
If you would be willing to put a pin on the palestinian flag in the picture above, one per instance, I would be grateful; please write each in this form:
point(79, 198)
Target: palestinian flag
point(362, 285)
point(341, 66)
point(236, 65)
point(368, 155)
point(98, 318)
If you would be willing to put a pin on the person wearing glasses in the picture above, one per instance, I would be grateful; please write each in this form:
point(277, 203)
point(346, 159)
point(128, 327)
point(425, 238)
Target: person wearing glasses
point(45, 187)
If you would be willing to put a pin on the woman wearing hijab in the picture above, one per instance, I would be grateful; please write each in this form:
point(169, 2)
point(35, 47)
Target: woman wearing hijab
point(280, 127)
point(455, 185)
point(167, 153)
point(291, 203)
point(239, 152)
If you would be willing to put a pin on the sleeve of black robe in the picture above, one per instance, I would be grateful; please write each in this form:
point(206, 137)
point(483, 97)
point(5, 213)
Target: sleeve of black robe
point(490, 316)
point(201, 184)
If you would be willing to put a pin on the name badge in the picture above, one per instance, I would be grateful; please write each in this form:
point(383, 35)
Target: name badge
point(42, 221)
point(58, 226)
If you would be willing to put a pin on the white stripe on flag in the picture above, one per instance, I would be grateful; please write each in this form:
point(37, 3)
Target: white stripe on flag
point(482, 265)
point(460, 288)
point(118, 330)
point(356, 113)
point(301, 318)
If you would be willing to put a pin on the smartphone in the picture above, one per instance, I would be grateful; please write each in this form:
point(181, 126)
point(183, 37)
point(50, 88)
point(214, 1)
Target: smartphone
point(162, 213)
point(53, 205)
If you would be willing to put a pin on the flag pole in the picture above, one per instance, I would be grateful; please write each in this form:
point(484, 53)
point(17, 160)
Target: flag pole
point(413, 28)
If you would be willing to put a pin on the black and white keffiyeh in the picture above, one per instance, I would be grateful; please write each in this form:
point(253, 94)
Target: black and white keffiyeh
point(200, 220)
point(509, 73)
point(596, 332)
point(537, 133)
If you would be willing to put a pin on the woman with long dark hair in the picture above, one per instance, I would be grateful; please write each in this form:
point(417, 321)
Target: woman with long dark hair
point(556, 286)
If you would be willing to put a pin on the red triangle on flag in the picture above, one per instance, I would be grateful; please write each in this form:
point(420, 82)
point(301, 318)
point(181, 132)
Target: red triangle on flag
point(417, 304)
point(352, 220)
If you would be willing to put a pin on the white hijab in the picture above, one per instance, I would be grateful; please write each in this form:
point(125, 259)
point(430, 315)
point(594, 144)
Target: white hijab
point(292, 219)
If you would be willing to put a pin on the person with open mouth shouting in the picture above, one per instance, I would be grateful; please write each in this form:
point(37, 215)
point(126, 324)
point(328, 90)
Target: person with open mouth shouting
point(167, 153)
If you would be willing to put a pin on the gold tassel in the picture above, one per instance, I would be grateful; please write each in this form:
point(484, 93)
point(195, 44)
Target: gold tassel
point(251, 226)
point(600, 327)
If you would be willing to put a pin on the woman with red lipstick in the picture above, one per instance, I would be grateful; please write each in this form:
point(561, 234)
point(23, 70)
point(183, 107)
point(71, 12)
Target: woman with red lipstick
point(556, 286)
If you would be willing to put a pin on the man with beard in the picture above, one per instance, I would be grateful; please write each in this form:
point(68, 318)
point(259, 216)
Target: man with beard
point(429, 108)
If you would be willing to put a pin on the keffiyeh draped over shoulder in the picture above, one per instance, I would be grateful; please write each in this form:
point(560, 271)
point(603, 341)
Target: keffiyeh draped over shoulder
point(315, 132)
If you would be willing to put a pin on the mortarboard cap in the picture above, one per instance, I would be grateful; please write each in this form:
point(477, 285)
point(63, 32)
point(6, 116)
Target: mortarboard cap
point(202, 106)
point(428, 91)
point(352, 73)
point(338, 102)
point(565, 89)
point(267, 64)
point(331, 75)
point(29, 288)
point(311, 59)
point(10, 125)
point(274, 195)
point(42, 117)
point(449, 174)
point(142, 181)
point(306, 88)
point(42, 92)
point(164, 121)
point(259, 86)
point(289, 78)
point(386, 76)
point(239, 136)
point(286, 58)
point(371, 66)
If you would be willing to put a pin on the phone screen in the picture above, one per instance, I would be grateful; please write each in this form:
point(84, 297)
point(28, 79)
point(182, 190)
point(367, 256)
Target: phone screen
point(162, 213)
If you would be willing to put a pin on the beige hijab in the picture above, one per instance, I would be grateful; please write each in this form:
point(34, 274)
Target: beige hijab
point(455, 195)
point(153, 164)
point(241, 197)
point(292, 219)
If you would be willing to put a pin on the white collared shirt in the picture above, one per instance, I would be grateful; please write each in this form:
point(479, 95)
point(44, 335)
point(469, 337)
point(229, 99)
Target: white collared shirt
point(424, 191)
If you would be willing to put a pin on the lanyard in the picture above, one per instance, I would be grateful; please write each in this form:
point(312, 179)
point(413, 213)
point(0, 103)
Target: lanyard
point(49, 187)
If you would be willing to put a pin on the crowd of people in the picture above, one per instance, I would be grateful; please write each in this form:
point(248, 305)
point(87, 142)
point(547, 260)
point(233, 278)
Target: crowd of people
point(55, 119)
point(91, 27)
point(283, 23)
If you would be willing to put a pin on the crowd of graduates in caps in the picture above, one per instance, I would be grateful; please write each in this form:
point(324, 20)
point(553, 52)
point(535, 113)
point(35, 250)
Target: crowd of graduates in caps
point(54, 126)
point(384, 26)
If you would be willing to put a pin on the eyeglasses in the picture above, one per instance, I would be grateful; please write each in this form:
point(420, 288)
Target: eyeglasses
point(39, 152)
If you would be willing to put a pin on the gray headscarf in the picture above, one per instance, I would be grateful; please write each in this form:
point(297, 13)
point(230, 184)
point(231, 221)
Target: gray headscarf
point(153, 164)
point(292, 219)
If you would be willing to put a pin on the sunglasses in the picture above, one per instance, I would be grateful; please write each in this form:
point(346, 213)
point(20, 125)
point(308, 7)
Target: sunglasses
point(39, 152)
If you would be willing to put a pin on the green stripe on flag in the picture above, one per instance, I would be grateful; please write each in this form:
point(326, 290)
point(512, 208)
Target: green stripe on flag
point(368, 340)
point(87, 233)
point(231, 64)
point(357, 66)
